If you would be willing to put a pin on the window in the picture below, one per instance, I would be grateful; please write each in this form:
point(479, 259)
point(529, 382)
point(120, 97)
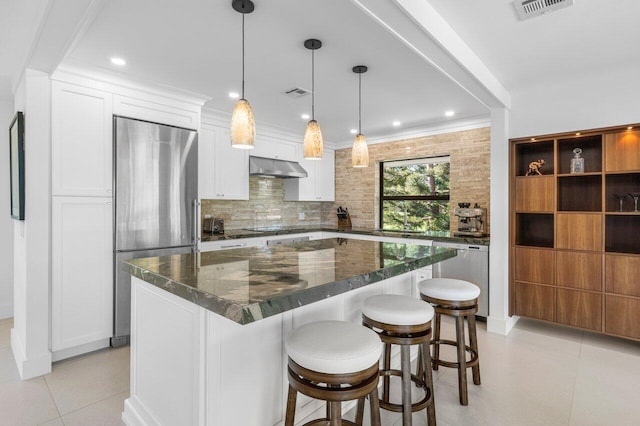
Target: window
point(414, 194)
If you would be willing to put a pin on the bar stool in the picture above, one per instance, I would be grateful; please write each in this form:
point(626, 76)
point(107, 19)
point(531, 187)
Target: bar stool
point(458, 299)
point(405, 321)
point(333, 361)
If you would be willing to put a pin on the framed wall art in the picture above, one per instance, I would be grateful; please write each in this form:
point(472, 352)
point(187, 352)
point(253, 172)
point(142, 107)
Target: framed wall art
point(16, 169)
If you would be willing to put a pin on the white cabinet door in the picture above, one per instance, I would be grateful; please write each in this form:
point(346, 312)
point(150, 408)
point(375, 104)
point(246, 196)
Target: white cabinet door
point(325, 184)
point(223, 170)
point(268, 147)
point(82, 265)
point(81, 139)
point(318, 185)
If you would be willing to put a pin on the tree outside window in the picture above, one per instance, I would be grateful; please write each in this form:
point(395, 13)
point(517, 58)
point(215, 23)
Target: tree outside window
point(414, 194)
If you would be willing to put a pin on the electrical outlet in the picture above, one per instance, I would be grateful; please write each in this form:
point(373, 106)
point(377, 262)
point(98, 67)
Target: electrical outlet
point(301, 216)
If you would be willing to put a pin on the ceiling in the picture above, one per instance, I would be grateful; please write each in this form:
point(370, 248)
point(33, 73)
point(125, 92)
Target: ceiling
point(195, 45)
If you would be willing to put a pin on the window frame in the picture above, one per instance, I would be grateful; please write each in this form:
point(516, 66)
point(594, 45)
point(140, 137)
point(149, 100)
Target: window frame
point(430, 197)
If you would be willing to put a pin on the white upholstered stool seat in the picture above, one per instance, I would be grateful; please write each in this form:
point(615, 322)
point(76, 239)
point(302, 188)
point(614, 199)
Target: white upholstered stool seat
point(449, 289)
point(405, 322)
point(334, 361)
point(333, 347)
point(396, 309)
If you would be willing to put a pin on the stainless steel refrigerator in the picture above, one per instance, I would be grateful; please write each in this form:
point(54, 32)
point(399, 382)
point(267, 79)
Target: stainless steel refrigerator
point(156, 190)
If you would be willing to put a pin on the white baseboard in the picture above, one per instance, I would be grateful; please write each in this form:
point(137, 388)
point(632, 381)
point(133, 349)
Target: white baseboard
point(79, 350)
point(501, 326)
point(29, 368)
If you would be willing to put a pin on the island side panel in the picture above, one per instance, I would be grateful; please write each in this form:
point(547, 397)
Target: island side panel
point(167, 354)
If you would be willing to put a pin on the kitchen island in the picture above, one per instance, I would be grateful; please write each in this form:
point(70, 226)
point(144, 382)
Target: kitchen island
point(208, 329)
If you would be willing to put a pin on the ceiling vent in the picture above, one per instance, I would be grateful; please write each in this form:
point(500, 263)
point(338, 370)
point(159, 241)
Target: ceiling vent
point(528, 9)
point(297, 92)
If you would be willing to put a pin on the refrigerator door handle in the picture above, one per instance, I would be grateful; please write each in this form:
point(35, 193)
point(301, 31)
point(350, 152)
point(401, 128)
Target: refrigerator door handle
point(195, 227)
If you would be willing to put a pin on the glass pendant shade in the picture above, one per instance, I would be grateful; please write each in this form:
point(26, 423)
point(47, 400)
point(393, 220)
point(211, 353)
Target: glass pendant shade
point(313, 144)
point(360, 152)
point(243, 128)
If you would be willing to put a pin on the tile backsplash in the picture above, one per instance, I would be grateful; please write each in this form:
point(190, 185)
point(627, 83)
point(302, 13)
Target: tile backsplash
point(266, 207)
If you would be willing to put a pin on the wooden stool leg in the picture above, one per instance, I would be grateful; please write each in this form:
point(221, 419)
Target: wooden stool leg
point(291, 407)
point(335, 408)
point(436, 337)
point(462, 361)
point(473, 342)
point(421, 365)
point(405, 365)
point(360, 412)
point(386, 365)
point(428, 379)
point(374, 406)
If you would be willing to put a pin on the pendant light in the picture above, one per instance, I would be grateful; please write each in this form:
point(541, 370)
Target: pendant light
point(313, 144)
point(360, 151)
point(243, 128)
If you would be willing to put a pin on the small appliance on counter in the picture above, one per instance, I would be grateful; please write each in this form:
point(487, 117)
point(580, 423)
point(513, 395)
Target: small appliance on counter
point(471, 221)
point(213, 225)
point(344, 220)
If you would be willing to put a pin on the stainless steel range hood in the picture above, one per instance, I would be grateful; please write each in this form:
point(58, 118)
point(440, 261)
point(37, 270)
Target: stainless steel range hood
point(259, 166)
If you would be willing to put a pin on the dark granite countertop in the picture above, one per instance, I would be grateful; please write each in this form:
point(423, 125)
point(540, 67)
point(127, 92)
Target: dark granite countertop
point(443, 236)
point(249, 284)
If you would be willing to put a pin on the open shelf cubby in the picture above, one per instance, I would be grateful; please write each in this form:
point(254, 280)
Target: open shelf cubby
point(534, 229)
point(622, 234)
point(591, 152)
point(580, 193)
point(534, 151)
point(620, 184)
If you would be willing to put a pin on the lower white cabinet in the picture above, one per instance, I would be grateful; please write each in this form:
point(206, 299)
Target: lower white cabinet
point(82, 271)
point(223, 171)
point(231, 244)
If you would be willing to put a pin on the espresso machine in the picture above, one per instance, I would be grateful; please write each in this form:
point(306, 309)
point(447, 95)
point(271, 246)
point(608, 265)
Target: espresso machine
point(471, 220)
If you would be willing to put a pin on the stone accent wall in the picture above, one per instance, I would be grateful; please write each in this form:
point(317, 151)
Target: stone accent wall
point(266, 207)
point(358, 188)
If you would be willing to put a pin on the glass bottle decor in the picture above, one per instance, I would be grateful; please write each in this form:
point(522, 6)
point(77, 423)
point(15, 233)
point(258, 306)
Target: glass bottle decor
point(577, 162)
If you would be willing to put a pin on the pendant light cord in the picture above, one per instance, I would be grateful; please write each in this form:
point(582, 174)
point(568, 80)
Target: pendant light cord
point(242, 55)
point(313, 89)
point(360, 103)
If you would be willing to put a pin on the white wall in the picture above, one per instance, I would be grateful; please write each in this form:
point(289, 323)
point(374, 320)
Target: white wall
point(30, 333)
point(6, 223)
point(604, 100)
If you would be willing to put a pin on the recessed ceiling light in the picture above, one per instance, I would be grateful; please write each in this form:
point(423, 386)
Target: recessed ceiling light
point(118, 61)
point(305, 116)
point(353, 131)
point(396, 123)
point(449, 113)
point(234, 95)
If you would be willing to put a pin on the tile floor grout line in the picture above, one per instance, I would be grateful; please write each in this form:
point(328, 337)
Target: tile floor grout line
point(52, 397)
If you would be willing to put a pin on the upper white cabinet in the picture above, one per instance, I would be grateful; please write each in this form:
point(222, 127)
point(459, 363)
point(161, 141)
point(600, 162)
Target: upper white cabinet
point(320, 183)
point(272, 148)
point(82, 271)
point(157, 110)
point(223, 171)
point(81, 131)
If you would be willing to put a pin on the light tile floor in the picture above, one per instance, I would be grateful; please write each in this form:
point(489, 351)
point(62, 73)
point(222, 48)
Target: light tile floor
point(541, 374)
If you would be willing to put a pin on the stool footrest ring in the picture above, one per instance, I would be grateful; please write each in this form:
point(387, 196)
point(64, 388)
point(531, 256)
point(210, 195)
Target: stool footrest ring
point(472, 362)
point(416, 406)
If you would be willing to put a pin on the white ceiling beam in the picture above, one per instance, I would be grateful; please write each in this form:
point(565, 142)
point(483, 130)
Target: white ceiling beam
point(411, 20)
point(63, 23)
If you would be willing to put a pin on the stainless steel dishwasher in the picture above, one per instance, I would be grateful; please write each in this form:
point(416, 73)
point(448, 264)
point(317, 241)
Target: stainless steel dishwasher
point(471, 264)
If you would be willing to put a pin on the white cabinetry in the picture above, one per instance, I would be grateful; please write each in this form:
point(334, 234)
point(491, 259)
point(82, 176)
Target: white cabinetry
point(223, 170)
point(272, 148)
point(232, 244)
point(319, 185)
point(81, 132)
point(82, 284)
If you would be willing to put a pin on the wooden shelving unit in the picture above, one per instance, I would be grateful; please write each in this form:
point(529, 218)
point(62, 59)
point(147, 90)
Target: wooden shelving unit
point(575, 256)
